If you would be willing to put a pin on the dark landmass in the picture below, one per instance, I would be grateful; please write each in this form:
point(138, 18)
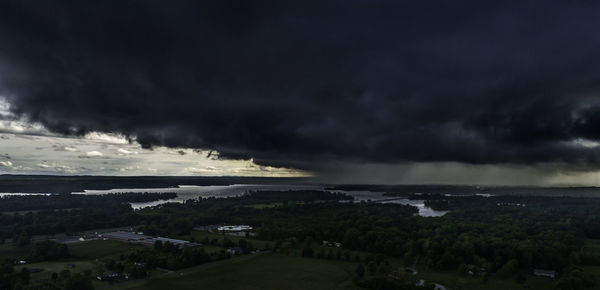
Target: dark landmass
point(406, 190)
point(68, 184)
point(482, 243)
point(68, 201)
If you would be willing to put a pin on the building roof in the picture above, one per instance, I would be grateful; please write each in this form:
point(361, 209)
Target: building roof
point(128, 236)
point(143, 239)
point(236, 228)
point(541, 272)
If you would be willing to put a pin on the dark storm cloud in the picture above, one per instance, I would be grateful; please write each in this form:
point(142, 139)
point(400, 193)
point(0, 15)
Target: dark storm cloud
point(299, 82)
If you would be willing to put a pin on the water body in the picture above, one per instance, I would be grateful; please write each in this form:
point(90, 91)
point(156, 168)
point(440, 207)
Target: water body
point(186, 192)
point(3, 194)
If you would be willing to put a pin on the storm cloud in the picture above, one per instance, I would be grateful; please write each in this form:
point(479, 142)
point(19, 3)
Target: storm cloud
point(300, 83)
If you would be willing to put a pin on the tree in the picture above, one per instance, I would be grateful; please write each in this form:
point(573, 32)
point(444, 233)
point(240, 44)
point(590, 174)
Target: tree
point(158, 245)
point(242, 243)
point(65, 274)
point(23, 240)
point(508, 269)
point(351, 238)
point(307, 250)
point(360, 270)
point(25, 275)
point(79, 282)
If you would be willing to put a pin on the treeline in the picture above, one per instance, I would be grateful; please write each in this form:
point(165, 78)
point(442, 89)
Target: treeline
point(21, 280)
point(265, 196)
point(68, 213)
point(168, 256)
point(47, 251)
point(179, 219)
point(64, 201)
point(43, 251)
point(582, 213)
point(68, 184)
point(21, 227)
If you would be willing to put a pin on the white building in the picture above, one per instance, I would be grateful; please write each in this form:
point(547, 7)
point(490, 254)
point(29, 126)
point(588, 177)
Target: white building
point(238, 228)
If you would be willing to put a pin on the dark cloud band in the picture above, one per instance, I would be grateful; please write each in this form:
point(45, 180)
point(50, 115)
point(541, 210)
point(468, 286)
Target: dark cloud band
point(295, 83)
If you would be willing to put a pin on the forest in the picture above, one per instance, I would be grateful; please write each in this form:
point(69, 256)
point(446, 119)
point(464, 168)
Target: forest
point(502, 237)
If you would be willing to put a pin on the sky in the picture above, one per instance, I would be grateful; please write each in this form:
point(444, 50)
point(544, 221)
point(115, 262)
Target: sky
point(476, 92)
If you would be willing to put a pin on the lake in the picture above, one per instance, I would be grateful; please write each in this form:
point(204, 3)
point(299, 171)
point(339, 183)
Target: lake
point(186, 192)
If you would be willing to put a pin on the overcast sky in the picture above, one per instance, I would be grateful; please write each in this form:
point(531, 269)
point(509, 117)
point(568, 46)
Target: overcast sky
point(495, 92)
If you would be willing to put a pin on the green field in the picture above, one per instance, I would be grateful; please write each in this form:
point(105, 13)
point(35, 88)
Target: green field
point(56, 266)
point(261, 271)
point(85, 256)
point(591, 246)
point(453, 280)
point(12, 252)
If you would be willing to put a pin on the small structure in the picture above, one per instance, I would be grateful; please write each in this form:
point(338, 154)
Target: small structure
point(209, 228)
point(232, 229)
point(235, 250)
point(178, 243)
point(474, 270)
point(238, 230)
point(108, 276)
point(332, 244)
point(133, 237)
point(125, 236)
point(410, 270)
point(545, 273)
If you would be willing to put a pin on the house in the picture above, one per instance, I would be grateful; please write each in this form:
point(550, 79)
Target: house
point(545, 273)
point(235, 251)
point(107, 276)
point(332, 244)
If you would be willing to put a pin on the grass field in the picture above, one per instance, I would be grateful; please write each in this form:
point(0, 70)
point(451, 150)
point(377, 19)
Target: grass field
point(85, 256)
point(56, 266)
point(452, 280)
point(262, 271)
point(11, 252)
point(591, 247)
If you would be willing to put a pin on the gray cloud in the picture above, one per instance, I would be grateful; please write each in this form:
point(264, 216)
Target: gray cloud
point(309, 82)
